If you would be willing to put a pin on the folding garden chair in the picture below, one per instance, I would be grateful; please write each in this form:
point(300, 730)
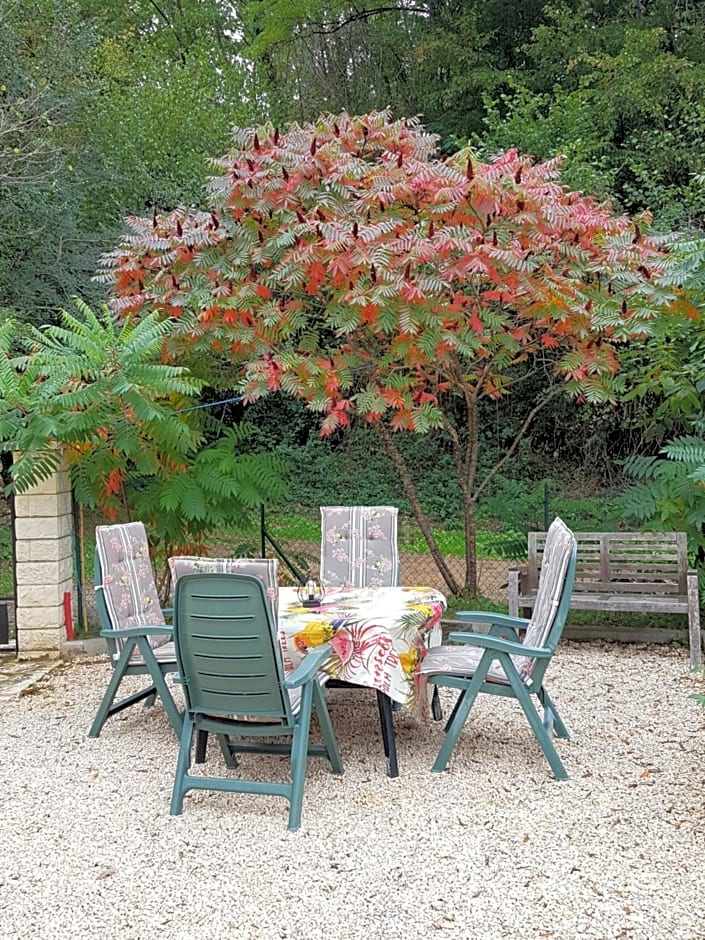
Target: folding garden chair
point(231, 669)
point(498, 663)
point(132, 622)
point(266, 569)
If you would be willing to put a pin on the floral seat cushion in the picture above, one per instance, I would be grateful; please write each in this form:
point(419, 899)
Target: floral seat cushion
point(266, 569)
point(359, 546)
point(128, 586)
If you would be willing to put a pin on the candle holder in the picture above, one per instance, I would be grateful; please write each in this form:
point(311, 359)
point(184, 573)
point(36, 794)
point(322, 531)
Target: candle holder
point(311, 593)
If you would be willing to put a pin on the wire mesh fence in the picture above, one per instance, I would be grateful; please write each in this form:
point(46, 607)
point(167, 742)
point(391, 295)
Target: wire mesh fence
point(301, 557)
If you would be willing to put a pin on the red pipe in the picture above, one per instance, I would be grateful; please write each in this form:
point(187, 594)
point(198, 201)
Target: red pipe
point(68, 616)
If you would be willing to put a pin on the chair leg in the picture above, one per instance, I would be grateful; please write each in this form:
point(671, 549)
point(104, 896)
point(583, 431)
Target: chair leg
point(183, 764)
point(229, 753)
point(551, 716)
point(436, 710)
point(542, 736)
point(452, 714)
point(299, 756)
point(458, 718)
point(327, 734)
point(106, 707)
point(173, 713)
point(384, 703)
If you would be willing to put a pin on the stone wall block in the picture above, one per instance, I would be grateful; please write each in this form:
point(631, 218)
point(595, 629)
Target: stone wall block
point(41, 595)
point(44, 549)
point(46, 620)
point(46, 572)
point(41, 641)
point(49, 527)
point(34, 504)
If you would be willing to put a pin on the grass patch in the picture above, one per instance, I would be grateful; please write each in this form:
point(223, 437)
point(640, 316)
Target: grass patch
point(303, 528)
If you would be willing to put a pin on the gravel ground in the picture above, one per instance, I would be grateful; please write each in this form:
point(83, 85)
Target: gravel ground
point(493, 848)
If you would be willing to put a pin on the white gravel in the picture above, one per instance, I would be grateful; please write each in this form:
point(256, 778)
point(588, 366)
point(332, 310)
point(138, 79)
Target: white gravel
point(493, 848)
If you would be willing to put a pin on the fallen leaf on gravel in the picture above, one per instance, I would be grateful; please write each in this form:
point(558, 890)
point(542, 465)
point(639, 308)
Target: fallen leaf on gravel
point(106, 873)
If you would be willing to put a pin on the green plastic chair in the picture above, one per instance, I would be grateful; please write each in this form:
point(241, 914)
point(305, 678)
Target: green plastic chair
point(499, 663)
point(132, 623)
point(231, 670)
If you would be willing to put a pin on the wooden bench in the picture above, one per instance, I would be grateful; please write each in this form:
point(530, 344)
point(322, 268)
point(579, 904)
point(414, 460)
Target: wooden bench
point(643, 572)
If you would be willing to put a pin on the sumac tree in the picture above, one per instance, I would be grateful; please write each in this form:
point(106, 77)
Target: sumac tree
point(349, 265)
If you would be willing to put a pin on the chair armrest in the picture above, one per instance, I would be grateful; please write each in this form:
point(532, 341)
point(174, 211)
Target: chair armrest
point(488, 616)
point(156, 630)
point(487, 641)
point(309, 666)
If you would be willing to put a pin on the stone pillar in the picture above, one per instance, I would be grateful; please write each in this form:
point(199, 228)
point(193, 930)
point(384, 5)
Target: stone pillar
point(43, 547)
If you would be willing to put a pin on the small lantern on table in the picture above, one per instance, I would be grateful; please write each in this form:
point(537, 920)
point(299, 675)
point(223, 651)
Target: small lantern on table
point(311, 592)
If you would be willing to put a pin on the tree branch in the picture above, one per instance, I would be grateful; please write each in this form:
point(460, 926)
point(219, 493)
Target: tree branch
point(553, 393)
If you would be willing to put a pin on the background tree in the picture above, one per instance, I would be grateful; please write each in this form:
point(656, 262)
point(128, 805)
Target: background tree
point(105, 109)
point(347, 265)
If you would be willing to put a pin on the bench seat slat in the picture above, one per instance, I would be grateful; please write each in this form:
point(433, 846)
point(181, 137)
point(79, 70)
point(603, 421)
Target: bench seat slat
point(636, 603)
point(627, 587)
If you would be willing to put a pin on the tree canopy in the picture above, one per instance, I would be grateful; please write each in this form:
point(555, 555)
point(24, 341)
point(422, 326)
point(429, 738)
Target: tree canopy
point(349, 264)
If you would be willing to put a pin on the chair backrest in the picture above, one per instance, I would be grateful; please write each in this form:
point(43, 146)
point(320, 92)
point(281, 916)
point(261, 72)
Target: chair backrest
point(266, 569)
point(359, 546)
point(552, 598)
point(227, 649)
point(124, 580)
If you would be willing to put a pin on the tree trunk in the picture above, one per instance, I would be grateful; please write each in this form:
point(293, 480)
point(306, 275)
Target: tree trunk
point(413, 497)
point(471, 573)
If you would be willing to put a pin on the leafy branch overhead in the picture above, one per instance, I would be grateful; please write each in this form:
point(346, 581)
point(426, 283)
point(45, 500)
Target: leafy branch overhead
point(348, 264)
point(387, 276)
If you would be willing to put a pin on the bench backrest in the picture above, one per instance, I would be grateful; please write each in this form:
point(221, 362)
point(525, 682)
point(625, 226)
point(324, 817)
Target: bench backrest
point(627, 562)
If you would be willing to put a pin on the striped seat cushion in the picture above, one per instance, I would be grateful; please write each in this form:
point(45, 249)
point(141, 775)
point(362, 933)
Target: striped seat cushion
point(462, 660)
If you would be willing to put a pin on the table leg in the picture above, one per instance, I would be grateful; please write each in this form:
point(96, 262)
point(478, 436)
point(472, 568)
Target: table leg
point(436, 709)
point(384, 704)
point(201, 745)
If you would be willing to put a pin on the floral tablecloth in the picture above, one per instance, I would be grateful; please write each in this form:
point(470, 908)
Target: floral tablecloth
point(380, 634)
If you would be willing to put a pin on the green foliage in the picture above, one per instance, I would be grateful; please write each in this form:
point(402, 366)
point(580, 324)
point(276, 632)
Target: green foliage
point(355, 469)
point(522, 506)
point(97, 386)
point(222, 487)
point(45, 256)
point(622, 98)
point(95, 390)
point(664, 373)
point(670, 494)
point(6, 573)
